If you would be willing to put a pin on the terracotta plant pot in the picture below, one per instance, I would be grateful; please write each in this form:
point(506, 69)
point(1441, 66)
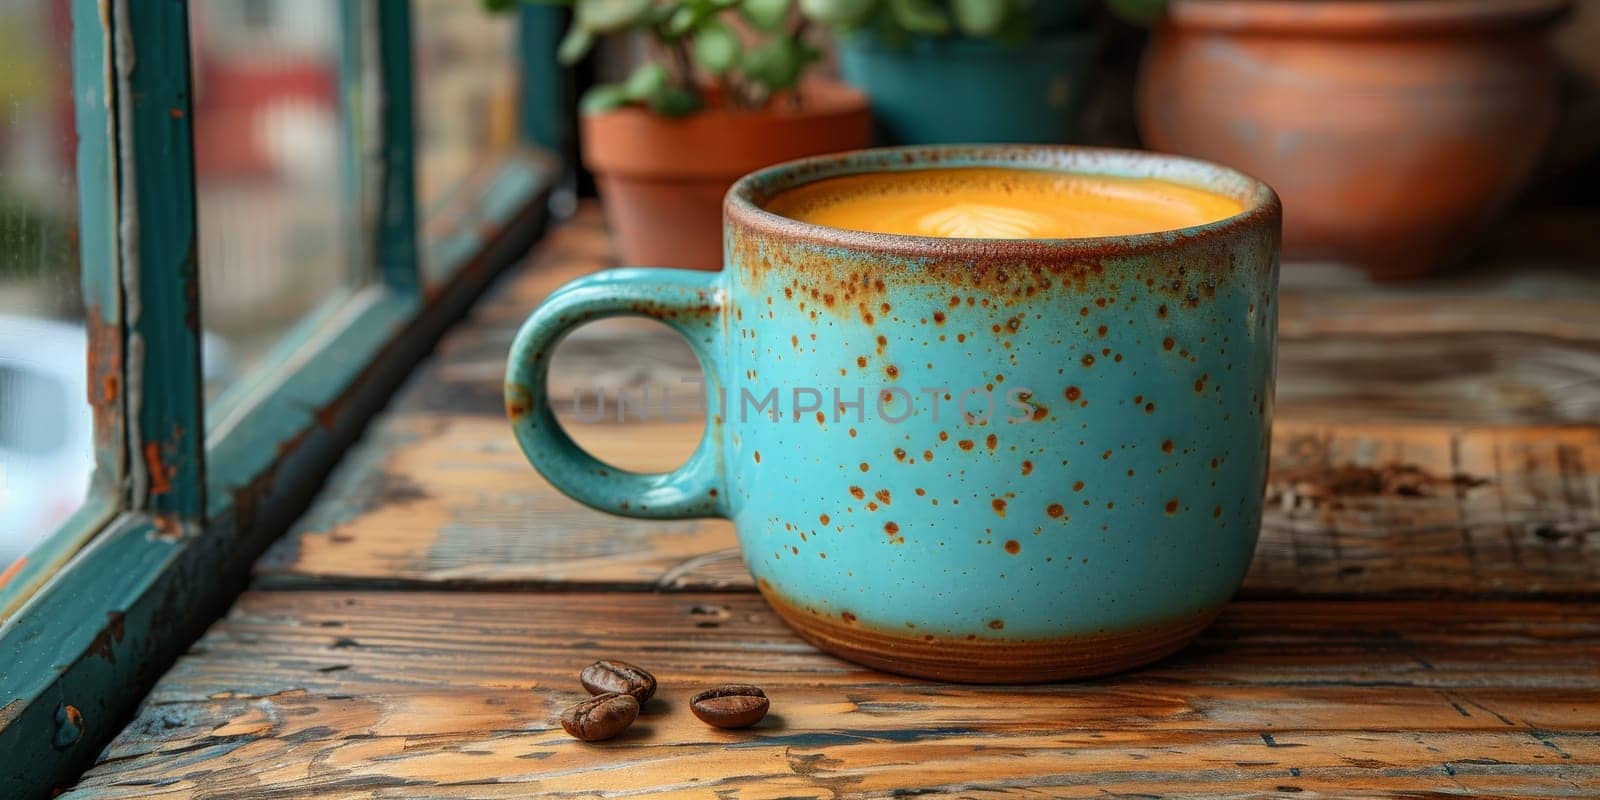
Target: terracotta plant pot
point(662, 180)
point(1392, 129)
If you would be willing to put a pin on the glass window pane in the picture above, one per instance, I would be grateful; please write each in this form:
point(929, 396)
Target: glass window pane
point(465, 70)
point(46, 427)
point(276, 227)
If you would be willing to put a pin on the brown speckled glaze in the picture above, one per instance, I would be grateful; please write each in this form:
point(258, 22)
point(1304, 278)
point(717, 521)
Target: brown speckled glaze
point(1095, 519)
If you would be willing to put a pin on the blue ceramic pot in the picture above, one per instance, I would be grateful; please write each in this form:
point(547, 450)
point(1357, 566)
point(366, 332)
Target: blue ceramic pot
point(955, 90)
point(976, 460)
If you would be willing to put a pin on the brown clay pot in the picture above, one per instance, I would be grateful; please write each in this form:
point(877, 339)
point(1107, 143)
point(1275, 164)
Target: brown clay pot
point(662, 180)
point(1392, 129)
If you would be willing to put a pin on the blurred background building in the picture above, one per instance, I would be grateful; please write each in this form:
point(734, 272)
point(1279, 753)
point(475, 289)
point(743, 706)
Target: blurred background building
point(45, 438)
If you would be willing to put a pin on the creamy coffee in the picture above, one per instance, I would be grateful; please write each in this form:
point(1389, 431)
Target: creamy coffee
point(1001, 203)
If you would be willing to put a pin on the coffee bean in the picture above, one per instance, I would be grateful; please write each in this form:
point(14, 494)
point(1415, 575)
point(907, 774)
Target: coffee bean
point(600, 717)
point(620, 677)
point(736, 705)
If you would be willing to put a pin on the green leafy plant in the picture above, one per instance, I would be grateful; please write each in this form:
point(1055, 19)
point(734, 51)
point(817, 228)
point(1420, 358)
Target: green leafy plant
point(695, 45)
point(1006, 20)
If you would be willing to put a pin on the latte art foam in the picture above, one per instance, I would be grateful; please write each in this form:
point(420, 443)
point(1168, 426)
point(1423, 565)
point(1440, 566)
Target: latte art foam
point(982, 221)
point(1000, 203)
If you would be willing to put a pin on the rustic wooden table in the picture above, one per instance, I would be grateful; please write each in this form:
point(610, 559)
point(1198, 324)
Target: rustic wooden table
point(1423, 615)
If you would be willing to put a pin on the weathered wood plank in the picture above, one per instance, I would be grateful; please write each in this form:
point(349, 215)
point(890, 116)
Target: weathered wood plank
point(1491, 510)
point(433, 500)
point(451, 501)
point(417, 694)
point(1389, 482)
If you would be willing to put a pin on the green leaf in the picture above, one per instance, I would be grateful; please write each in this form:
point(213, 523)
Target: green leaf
point(778, 63)
point(681, 20)
point(920, 16)
point(844, 13)
point(647, 80)
point(495, 6)
point(575, 45)
point(769, 63)
point(765, 15)
point(602, 98)
point(675, 101)
point(979, 18)
point(609, 16)
point(684, 16)
point(716, 47)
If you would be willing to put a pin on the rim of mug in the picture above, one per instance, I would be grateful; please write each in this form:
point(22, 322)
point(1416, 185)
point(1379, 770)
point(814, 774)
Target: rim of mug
point(742, 206)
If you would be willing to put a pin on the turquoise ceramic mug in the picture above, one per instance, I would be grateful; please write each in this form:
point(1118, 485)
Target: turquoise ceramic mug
point(1094, 521)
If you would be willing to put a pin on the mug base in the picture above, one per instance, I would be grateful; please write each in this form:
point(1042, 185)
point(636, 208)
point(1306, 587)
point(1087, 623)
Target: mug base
point(980, 659)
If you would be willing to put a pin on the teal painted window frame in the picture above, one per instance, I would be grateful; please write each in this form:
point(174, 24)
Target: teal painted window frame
point(177, 512)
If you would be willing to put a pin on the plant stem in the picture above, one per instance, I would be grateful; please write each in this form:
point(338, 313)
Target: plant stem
point(797, 30)
point(799, 27)
point(685, 67)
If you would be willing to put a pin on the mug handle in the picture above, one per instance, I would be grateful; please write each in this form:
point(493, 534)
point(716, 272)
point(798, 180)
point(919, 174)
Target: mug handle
point(688, 301)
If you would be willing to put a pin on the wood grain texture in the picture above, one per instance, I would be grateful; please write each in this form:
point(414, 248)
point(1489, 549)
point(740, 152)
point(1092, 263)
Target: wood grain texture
point(1422, 618)
point(431, 500)
point(418, 694)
